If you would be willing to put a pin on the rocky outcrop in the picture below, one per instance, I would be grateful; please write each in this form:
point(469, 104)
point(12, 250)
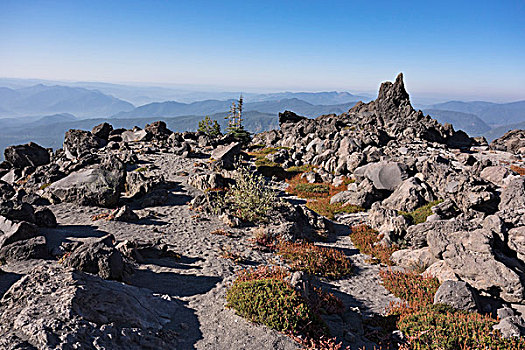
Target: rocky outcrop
point(513, 142)
point(99, 257)
point(78, 143)
point(26, 155)
point(99, 186)
point(472, 257)
point(457, 294)
point(102, 131)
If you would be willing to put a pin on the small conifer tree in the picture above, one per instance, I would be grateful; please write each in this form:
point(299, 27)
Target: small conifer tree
point(210, 127)
point(235, 120)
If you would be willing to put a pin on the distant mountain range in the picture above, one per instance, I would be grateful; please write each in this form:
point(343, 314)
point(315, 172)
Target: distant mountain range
point(41, 99)
point(42, 113)
point(201, 108)
point(468, 122)
point(494, 114)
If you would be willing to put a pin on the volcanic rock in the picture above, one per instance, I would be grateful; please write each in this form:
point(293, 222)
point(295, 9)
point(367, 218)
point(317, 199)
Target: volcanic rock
point(26, 155)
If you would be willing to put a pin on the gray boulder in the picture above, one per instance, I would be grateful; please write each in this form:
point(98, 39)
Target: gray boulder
point(418, 259)
point(384, 175)
point(207, 181)
point(158, 130)
point(6, 191)
point(137, 184)
point(457, 294)
point(363, 195)
point(11, 231)
point(98, 186)
point(77, 143)
point(225, 156)
point(409, 195)
point(125, 214)
point(135, 135)
point(517, 241)
point(33, 248)
point(102, 131)
point(417, 235)
point(495, 174)
point(44, 217)
point(387, 221)
point(26, 155)
point(511, 326)
point(289, 117)
point(513, 195)
point(99, 257)
point(470, 254)
point(56, 308)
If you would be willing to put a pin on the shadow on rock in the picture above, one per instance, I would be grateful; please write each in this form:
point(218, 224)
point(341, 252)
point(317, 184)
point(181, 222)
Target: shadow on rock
point(7, 279)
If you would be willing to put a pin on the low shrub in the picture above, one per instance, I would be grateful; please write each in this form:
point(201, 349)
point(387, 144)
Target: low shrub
point(323, 207)
point(267, 163)
point(444, 328)
point(250, 199)
point(327, 262)
point(417, 290)
point(263, 298)
point(421, 214)
point(44, 186)
point(518, 170)
point(427, 326)
point(313, 189)
point(264, 239)
point(367, 241)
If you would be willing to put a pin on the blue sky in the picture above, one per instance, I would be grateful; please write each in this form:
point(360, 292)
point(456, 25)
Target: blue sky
point(466, 49)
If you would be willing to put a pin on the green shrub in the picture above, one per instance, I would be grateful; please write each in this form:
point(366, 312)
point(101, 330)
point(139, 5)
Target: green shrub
point(420, 215)
point(312, 188)
point(276, 304)
point(209, 127)
point(315, 260)
point(250, 199)
point(260, 162)
point(322, 206)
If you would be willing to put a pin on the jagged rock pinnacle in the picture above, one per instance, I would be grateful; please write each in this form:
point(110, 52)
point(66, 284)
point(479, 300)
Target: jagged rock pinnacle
point(393, 95)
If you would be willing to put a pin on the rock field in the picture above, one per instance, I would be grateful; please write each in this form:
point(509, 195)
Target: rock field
point(112, 242)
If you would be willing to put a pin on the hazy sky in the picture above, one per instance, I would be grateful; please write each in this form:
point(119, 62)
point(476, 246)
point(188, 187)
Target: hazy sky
point(455, 48)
